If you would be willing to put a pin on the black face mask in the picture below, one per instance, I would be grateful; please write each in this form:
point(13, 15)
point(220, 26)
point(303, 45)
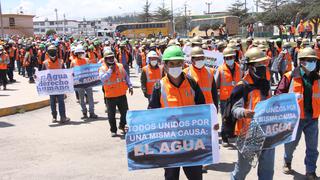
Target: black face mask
point(110, 64)
point(259, 72)
point(52, 53)
point(279, 45)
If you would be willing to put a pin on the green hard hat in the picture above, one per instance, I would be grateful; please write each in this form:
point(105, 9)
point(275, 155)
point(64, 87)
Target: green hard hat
point(173, 53)
point(91, 47)
point(279, 40)
point(42, 46)
point(95, 43)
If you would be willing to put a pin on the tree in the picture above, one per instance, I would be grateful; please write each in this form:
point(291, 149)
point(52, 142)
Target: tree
point(146, 15)
point(163, 13)
point(238, 9)
point(51, 32)
point(272, 5)
point(314, 14)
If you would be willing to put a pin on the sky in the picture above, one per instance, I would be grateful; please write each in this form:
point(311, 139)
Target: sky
point(93, 9)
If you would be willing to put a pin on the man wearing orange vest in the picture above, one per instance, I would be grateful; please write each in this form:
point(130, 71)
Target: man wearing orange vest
point(116, 82)
point(4, 61)
point(41, 56)
point(301, 29)
point(285, 64)
point(292, 31)
point(317, 46)
point(174, 90)
point(204, 76)
point(229, 74)
point(142, 57)
point(12, 52)
point(93, 59)
point(258, 89)
point(309, 29)
point(304, 81)
point(53, 62)
point(124, 57)
point(80, 60)
point(150, 74)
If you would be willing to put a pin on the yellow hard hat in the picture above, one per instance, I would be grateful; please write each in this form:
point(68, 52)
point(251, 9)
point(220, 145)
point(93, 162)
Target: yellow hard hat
point(197, 52)
point(307, 53)
point(254, 55)
point(227, 52)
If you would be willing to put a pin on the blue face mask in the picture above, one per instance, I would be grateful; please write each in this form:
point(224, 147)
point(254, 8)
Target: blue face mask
point(311, 66)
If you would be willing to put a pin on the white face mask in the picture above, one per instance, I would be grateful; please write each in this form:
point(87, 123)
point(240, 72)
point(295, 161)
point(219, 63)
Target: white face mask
point(311, 66)
point(175, 72)
point(83, 56)
point(230, 63)
point(153, 63)
point(199, 64)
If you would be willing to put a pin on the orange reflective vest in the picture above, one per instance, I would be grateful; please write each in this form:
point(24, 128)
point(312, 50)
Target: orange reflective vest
point(57, 64)
point(253, 98)
point(204, 78)
point(116, 85)
point(98, 53)
point(288, 60)
point(300, 28)
point(79, 61)
point(296, 86)
point(317, 49)
point(126, 56)
point(92, 57)
point(292, 30)
point(172, 96)
point(153, 75)
point(227, 81)
point(143, 59)
point(4, 61)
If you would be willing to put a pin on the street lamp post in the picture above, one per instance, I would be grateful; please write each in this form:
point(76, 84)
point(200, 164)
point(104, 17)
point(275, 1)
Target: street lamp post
point(173, 28)
point(2, 33)
point(56, 10)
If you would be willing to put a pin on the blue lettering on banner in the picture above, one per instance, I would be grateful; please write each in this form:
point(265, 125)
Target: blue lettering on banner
point(172, 137)
point(87, 75)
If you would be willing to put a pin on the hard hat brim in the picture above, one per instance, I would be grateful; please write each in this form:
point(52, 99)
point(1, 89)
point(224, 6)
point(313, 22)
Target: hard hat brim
point(173, 59)
point(259, 60)
point(228, 55)
point(198, 55)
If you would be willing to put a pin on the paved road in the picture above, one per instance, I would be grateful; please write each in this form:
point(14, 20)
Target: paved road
point(33, 148)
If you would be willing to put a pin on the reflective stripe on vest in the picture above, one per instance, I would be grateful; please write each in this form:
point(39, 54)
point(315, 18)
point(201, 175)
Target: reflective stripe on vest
point(164, 94)
point(209, 78)
point(118, 80)
point(148, 78)
point(224, 80)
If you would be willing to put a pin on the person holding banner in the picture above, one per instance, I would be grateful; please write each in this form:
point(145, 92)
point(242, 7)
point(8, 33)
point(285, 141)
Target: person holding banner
point(174, 90)
point(305, 81)
point(150, 74)
point(80, 60)
point(115, 84)
point(229, 74)
point(53, 62)
point(257, 89)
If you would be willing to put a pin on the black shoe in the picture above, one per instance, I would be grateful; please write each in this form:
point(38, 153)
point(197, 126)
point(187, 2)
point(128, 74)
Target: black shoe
point(113, 134)
point(4, 87)
point(93, 116)
point(54, 120)
point(286, 169)
point(64, 120)
point(123, 131)
point(85, 116)
point(311, 176)
point(13, 80)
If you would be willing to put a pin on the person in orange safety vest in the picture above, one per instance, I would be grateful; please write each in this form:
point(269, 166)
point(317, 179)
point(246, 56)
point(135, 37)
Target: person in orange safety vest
point(116, 82)
point(304, 81)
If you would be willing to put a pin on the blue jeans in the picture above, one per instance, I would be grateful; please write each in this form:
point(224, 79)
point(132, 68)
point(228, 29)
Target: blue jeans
point(265, 166)
point(53, 103)
point(82, 92)
point(311, 130)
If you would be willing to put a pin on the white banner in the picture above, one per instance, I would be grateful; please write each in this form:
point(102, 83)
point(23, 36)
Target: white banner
point(54, 82)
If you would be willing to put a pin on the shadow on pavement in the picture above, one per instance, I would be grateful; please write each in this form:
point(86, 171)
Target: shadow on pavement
point(4, 95)
point(298, 176)
point(222, 167)
point(74, 123)
point(8, 89)
point(4, 125)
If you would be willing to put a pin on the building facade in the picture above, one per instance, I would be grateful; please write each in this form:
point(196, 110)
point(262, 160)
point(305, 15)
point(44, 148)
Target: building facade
point(68, 27)
point(17, 24)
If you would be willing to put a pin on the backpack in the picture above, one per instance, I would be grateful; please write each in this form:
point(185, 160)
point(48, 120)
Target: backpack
point(228, 121)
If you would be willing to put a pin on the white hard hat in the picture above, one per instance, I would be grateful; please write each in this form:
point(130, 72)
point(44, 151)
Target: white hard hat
point(73, 48)
point(1, 48)
point(79, 49)
point(107, 42)
point(152, 54)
